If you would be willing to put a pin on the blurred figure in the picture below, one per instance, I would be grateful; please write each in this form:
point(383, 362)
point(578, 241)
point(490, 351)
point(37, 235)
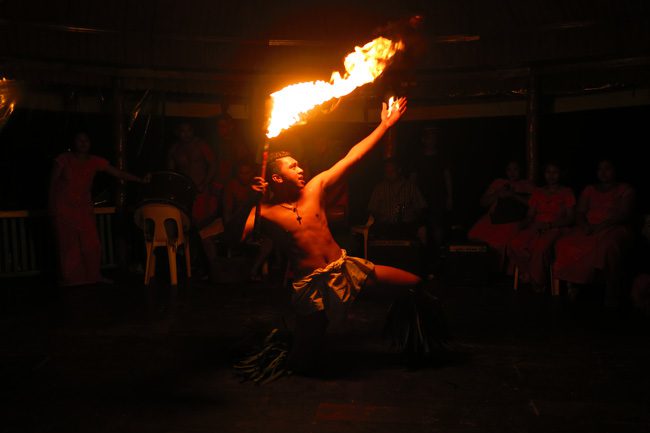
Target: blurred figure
point(397, 205)
point(238, 190)
point(72, 211)
point(550, 211)
point(507, 201)
point(433, 175)
point(236, 194)
point(193, 157)
point(602, 236)
point(230, 148)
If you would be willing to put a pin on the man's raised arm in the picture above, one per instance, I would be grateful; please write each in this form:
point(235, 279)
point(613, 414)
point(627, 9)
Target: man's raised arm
point(359, 150)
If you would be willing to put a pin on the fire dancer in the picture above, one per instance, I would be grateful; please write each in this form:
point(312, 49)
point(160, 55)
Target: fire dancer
point(326, 278)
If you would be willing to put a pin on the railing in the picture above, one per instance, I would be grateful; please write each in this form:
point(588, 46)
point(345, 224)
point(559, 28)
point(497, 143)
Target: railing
point(27, 241)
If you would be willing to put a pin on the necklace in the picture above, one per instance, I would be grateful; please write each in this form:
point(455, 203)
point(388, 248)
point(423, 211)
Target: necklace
point(293, 209)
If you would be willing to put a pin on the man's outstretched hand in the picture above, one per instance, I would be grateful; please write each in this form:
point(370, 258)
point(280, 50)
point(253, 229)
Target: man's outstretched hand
point(390, 117)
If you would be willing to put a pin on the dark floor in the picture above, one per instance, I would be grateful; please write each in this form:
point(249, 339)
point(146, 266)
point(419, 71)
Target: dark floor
point(118, 358)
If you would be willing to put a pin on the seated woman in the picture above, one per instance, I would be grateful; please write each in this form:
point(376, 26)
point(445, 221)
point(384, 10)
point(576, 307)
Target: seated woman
point(501, 224)
point(550, 211)
point(602, 235)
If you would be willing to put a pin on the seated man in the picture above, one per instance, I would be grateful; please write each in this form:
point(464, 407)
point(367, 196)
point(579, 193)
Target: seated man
point(397, 205)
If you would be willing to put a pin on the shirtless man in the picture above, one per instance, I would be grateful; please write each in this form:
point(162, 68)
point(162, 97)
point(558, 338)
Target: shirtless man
point(326, 279)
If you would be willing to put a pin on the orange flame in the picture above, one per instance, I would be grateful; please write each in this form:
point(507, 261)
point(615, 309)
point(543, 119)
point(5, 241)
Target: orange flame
point(364, 65)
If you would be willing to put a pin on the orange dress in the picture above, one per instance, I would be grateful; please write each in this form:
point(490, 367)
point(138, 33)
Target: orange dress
point(579, 255)
point(499, 235)
point(74, 219)
point(531, 250)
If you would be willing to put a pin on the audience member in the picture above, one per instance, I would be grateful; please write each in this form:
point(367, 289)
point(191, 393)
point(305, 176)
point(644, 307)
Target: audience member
point(397, 205)
point(550, 211)
point(601, 237)
point(433, 175)
point(506, 200)
point(193, 157)
point(236, 194)
point(229, 149)
point(71, 208)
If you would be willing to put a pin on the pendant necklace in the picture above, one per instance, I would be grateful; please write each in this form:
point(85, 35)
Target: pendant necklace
point(293, 209)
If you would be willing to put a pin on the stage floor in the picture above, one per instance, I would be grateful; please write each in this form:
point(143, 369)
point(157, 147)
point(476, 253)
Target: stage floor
point(119, 358)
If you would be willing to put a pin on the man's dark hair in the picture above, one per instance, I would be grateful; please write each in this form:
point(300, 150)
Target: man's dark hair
point(272, 166)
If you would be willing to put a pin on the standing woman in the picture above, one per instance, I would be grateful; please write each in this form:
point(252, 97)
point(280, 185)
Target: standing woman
point(602, 236)
point(71, 208)
point(550, 211)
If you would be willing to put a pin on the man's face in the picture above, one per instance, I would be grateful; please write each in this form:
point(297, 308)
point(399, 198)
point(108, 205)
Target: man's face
point(290, 172)
point(82, 143)
point(185, 133)
point(606, 172)
point(512, 171)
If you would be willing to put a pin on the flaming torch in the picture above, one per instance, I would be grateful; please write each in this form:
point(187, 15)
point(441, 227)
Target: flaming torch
point(293, 103)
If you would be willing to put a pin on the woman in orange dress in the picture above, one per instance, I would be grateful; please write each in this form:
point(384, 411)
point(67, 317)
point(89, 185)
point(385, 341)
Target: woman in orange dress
point(72, 211)
point(497, 235)
point(550, 211)
point(601, 237)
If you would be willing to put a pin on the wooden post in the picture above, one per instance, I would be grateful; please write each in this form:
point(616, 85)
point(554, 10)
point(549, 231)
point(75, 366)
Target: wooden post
point(532, 127)
point(119, 137)
point(389, 144)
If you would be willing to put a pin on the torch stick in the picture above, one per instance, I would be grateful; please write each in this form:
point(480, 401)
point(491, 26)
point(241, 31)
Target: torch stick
point(257, 228)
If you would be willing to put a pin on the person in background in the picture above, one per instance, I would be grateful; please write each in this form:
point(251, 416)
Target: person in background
point(433, 176)
point(236, 194)
point(506, 200)
point(550, 212)
point(397, 205)
point(601, 237)
point(193, 157)
point(72, 211)
point(230, 148)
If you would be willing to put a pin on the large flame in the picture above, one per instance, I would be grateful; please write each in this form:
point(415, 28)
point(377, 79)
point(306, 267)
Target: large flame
point(364, 65)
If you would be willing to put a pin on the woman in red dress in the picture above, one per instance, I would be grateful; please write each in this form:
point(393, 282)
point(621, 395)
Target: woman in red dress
point(71, 208)
point(511, 188)
point(550, 211)
point(601, 237)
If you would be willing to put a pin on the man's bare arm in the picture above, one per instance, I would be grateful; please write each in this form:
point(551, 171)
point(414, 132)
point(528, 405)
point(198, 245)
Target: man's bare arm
point(359, 150)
